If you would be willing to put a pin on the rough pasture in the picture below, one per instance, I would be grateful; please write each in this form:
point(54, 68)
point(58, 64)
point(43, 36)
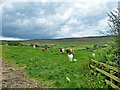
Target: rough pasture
point(52, 68)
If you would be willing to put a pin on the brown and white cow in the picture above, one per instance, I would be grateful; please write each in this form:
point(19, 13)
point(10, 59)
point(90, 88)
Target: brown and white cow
point(62, 50)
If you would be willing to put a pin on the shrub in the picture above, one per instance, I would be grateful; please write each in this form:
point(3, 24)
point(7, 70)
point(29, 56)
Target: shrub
point(114, 23)
point(14, 43)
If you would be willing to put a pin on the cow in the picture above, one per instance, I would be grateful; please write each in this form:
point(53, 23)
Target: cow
point(69, 51)
point(62, 50)
point(44, 49)
point(70, 57)
point(34, 46)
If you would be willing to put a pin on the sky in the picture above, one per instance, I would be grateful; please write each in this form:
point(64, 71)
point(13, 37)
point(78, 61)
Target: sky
point(45, 19)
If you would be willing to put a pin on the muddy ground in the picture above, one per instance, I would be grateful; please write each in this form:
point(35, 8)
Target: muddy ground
point(15, 78)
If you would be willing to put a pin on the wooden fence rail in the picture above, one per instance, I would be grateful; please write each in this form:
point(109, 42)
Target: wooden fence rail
point(96, 65)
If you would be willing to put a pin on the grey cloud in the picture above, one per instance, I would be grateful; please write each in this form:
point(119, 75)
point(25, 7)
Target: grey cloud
point(32, 20)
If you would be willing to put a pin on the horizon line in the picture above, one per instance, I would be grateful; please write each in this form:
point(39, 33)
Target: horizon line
point(54, 38)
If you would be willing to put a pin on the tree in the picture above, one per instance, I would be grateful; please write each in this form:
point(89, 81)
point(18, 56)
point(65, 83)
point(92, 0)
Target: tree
point(114, 23)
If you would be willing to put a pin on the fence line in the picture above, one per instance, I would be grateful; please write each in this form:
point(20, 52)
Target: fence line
point(113, 70)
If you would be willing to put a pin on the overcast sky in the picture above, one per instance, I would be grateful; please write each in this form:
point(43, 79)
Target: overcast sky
point(51, 20)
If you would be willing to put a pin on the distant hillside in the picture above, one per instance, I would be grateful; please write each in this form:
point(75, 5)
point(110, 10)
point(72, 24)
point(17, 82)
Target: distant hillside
point(73, 41)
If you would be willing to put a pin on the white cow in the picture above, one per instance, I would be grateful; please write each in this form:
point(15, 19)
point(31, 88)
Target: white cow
point(70, 57)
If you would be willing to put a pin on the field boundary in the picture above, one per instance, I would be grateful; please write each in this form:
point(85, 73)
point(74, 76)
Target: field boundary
point(110, 72)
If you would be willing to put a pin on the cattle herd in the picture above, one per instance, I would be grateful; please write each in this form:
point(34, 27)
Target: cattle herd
point(62, 50)
point(69, 51)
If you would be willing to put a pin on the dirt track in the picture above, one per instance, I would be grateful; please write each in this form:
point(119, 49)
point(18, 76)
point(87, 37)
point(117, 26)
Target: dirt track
point(15, 78)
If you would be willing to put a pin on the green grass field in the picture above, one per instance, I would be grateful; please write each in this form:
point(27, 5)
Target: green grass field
point(51, 69)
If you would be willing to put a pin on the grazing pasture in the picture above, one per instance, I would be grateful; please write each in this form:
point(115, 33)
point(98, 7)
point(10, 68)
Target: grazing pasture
point(53, 69)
